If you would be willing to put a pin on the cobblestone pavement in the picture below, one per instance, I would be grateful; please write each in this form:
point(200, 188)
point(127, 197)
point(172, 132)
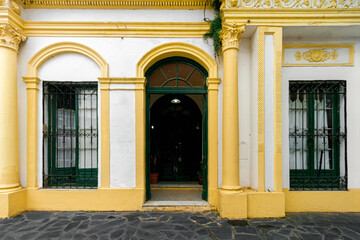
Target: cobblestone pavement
point(159, 225)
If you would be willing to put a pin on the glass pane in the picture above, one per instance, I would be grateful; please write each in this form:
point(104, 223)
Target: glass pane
point(156, 79)
point(184, 70)
point(176, 74)
point(169, 70)
point(197, 79)
point(298, 118)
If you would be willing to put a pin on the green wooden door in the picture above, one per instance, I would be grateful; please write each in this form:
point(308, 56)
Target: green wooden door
point(176, 76)
point(204, 194)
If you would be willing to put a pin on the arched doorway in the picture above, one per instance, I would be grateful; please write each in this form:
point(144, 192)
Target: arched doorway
point(176, 133)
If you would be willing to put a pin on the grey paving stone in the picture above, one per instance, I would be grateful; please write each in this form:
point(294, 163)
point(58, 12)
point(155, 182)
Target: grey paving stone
point(310, 236)
point(50, 235)
point(272, 235)
point(164, 218)
point(330, 236)
point(168, 234)
point(117, 234)
point(79, 236)
point(38, 215)
point(245, 229)
point(242, 236)
point(350, 233)
point(201, 219)
point(80, 218)
point(71, 226)
point(221, 232)
point(167, 225)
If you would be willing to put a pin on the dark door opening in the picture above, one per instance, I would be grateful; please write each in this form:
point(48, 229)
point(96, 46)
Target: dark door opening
point(176, 138)
point(176, 123)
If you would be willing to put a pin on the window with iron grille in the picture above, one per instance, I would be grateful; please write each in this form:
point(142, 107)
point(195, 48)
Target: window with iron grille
point(317, 120)
point(70, 134)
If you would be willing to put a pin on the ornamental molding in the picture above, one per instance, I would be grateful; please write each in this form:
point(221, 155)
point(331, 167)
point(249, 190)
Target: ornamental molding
point(296, 55)
point(13, 5)
point(10, 36)
point(230, 35)
point(293, 4)
point(316, 55)
point(112, 4)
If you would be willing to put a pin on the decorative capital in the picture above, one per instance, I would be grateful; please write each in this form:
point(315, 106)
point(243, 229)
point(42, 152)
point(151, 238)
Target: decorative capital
point(10, 36)
point(230, 35)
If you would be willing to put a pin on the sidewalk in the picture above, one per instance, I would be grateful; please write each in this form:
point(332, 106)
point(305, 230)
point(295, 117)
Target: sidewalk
point(169, 225)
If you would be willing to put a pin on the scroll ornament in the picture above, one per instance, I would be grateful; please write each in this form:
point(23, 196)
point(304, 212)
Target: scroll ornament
point(10, 36)
point(316, 55)
point(299, 4)
point(230, 35)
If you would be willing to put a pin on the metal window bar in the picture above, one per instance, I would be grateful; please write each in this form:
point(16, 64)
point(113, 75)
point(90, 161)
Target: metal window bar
point(317, 135)
point(70, 134)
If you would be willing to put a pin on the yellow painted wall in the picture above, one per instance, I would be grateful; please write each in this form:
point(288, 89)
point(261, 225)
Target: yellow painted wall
point(85, 200)
point(322, 201)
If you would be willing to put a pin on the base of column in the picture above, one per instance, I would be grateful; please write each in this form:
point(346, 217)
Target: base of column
point(12, 202)
point(232, 204)
point(231, 188)
point(251, 204)
point(266, 204)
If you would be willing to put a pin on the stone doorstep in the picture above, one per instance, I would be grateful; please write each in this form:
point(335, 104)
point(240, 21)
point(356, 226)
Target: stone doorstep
point(177, 206)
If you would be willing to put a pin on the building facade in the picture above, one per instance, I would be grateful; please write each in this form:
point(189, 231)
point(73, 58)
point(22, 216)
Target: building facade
point(95, 96)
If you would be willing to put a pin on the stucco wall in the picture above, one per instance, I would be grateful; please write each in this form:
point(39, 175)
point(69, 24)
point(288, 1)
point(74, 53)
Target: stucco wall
point(122, 55)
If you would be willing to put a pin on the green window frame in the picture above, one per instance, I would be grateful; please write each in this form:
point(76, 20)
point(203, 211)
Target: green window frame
point(70, 134)
point(317, 135)
point(177, 75)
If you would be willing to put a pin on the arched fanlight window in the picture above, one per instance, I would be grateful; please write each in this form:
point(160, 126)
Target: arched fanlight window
point(176, 72)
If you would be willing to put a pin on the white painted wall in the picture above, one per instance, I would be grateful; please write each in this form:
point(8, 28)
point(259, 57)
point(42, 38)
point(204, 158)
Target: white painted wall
point(350, 74)
point(116, 15)
point(122, 136)
point(269, 112)
point(122, 59)
point(244, 111)
point(254, 112)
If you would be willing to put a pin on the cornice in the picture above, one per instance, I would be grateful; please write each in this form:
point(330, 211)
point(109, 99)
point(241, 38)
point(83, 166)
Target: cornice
point(292, 17)
point(116, 29)
point(9, 16)
point(115, 4)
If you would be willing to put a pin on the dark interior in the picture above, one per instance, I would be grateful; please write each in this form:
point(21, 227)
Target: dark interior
point(175, 138)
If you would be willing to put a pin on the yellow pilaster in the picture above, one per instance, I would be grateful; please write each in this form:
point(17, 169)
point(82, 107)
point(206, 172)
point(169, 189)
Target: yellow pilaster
point(277, 68)
point(32, 89)
point(9, 150)
point(230, 36)
point(105, 132)
point(140, 133)
point(213, 85)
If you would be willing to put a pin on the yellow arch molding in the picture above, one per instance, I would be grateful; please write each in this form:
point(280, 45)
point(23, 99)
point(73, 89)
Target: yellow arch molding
point(65, 47)
point(177, 49)
point(32, 80)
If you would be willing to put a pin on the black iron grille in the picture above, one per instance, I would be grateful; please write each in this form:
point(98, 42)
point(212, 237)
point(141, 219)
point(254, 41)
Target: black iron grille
point(317, 120)
point(70, 134)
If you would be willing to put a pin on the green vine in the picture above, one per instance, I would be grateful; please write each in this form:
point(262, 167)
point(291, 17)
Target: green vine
point(215, 27)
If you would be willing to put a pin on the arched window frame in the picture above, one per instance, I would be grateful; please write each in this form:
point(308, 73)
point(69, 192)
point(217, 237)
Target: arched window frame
point(163, 89)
